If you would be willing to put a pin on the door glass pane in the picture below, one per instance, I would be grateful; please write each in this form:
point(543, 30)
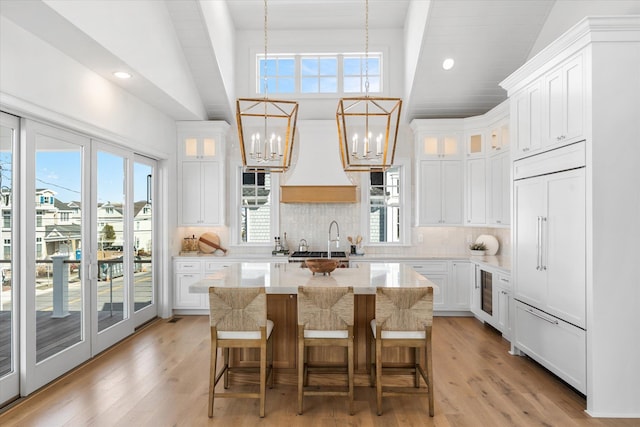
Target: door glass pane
point(142, 236)
point(7, 290)
point(59, 297)
point(111, 285)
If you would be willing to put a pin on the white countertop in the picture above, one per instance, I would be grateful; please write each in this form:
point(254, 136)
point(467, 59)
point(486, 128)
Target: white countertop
point(497, 261)
point(284, 278)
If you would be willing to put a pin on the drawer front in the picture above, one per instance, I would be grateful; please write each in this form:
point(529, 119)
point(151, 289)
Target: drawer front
point(188, 266)
point(557, 345)
point(430, 267)
point(211, 266)
point(503, 280)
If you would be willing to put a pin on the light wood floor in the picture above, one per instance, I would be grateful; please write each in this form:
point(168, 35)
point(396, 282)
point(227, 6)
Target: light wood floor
point(159, 377)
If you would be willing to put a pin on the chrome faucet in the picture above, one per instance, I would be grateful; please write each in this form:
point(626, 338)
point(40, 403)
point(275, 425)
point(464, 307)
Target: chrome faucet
point(337, 239)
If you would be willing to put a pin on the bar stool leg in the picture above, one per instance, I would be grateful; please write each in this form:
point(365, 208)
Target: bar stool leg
point(301, 362)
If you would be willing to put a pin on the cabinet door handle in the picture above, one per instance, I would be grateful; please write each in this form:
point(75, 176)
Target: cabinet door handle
point(545, 318)
point(187, 275)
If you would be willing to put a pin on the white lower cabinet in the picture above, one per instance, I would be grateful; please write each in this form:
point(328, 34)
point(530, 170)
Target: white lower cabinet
point(560, 346)
point(461, 277)
point(187, 272)
point(453, 279)
point(503, 317)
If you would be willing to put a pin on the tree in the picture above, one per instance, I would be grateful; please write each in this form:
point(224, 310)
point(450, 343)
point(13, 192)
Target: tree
point(108, 235)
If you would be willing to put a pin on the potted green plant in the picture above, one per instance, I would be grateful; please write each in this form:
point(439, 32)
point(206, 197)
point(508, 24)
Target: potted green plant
point(477, 248)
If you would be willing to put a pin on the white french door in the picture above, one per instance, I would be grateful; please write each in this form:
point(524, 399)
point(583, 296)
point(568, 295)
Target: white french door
point(144, 278)
point(54, 287)
point(111, 246)
point(9, 308)
point(86, 267)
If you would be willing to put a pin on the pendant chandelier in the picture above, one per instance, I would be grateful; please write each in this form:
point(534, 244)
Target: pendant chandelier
point(266, 127)
point(368, 126)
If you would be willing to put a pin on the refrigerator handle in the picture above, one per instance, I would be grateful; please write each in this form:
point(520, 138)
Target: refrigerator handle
point(538, 242)
point(543, 219)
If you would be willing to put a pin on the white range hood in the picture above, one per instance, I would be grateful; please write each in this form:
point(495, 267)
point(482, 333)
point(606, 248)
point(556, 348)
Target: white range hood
point(316, 175)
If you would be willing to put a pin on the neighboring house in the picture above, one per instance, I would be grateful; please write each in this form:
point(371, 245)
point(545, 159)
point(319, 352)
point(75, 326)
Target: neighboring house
point(58, 225)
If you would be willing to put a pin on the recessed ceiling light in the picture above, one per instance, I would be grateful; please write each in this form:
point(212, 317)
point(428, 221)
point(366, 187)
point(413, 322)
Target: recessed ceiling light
point(448, 63)
point(122, 75)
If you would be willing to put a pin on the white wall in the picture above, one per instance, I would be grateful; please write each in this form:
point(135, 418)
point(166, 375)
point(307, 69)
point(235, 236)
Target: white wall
point(58, 88)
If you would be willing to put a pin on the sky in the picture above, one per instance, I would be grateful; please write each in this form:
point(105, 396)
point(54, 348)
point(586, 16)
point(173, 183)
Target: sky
point(60, 171)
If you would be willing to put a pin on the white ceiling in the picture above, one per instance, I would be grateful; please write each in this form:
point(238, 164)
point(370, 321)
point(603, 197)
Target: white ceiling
point(489, 39)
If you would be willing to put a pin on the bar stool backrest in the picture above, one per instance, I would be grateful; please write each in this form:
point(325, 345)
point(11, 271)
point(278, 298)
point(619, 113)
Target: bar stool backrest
point(325, 308)
point(237, 309)
point(404, 309)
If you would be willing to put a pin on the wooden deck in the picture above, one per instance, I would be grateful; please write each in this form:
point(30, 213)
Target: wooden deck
point(159, 377)
point(54, 335)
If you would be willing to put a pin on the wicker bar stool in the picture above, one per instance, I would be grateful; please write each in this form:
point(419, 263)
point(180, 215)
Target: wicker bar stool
point(238, 319)
point(325, 318)
point(404, 317)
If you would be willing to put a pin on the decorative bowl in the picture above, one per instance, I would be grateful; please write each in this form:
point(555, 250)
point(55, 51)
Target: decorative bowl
point(321, 265)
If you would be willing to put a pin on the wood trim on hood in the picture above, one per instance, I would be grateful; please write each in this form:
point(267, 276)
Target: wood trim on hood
point(318, 194)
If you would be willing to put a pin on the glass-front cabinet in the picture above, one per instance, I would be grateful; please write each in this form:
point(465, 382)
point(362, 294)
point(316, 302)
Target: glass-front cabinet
point(201, 168)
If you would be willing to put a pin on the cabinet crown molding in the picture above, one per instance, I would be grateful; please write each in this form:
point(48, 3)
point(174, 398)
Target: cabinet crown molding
point(591, 29)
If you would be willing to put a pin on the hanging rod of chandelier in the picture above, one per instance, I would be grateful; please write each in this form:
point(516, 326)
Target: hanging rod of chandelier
point(266, 127)
point(368, 126)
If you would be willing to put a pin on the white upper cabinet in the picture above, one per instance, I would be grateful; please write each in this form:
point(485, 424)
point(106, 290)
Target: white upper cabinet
point(201, 167)
point(440, 192)
point(550, 111)
point(526, 120)
point(198, 147)
point(476, 191)
point(499, 190)
point(475, 143)
point(439, 146)
point(499, 136)
point(565, 103)
point(439, 171)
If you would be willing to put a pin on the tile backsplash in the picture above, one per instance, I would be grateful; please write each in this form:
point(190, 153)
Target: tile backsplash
point(311, 222)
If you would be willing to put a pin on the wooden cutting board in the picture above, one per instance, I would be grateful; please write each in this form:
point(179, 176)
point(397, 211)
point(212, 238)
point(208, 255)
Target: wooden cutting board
point(210, 242)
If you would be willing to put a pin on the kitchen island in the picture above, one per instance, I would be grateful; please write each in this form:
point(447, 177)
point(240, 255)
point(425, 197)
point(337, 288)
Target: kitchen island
point(284, 278)
point(281, 281)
